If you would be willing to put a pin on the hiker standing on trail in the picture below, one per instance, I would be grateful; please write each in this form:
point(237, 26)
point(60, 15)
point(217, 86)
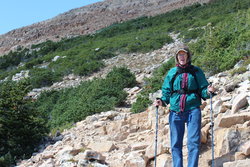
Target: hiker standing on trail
point(183, 88)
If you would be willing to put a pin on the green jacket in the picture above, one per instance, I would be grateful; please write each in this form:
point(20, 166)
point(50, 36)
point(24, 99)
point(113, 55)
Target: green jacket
point(193, 100)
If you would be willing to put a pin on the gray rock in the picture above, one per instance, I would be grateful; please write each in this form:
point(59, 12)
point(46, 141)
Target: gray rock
point(239, 64)
point(222, 74)
point(239, 102)
point(153, 96)
point(230, 87)
point(239, 163)
point(245, 148)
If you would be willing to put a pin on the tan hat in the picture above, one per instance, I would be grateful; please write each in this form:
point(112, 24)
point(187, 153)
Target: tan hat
point(181, 49)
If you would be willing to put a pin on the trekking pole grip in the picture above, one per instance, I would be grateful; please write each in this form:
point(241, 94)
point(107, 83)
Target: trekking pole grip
point(212, 93)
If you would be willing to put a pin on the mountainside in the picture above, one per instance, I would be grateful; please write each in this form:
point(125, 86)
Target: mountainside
point(120, 138)
point(86, 20)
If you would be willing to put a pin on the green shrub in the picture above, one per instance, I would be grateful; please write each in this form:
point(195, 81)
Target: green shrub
point(74, 104)
point(103, 54)
point(246, 62)
point(219, 50)
point(87, 67)
point(121, 77)
point(10, 60)
point(191, 34)
point(46, 47)
point(141, 104)
point(240, 70)
point(32, 63)
point(155, 83)
point(22, 126)
point(6, 160)
point(40, 77)
point(152, 85)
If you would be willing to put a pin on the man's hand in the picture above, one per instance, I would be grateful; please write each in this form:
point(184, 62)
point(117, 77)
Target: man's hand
point(158, 103)
point(210, 89)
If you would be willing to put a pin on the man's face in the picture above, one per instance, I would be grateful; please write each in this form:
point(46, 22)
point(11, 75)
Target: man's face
point(182, 57)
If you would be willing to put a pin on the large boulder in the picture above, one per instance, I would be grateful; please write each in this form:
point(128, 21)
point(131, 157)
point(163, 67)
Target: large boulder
point(135, 160)
point(48, 163)
point(239, 163)
point(65, 155)
point(229, 140)
point(230, 120)
point(164, 160)
point(217, 106)
point(150, 150)
point(239, 102)
point(204, 133)
point(105, 146)
point(245, 148)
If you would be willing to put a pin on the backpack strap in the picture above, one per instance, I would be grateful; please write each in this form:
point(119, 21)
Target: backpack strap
point(192, 70)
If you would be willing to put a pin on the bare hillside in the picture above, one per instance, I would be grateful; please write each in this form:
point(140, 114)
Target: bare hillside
point(87, 19)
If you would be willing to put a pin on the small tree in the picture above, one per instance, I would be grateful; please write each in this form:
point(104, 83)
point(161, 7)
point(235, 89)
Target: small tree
point(21, 127)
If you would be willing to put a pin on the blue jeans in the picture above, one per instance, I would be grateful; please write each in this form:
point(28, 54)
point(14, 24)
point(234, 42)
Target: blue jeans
point(177, 128)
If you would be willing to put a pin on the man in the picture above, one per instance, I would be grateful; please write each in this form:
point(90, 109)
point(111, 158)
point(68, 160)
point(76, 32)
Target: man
point(183, 88)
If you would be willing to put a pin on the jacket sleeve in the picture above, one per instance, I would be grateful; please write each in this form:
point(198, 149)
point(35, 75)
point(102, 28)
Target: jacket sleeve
point(166, 89)
point(203, 84)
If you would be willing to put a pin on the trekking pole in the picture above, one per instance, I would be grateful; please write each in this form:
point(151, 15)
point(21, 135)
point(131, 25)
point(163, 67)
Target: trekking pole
point(212, 125)
point(156, 132)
